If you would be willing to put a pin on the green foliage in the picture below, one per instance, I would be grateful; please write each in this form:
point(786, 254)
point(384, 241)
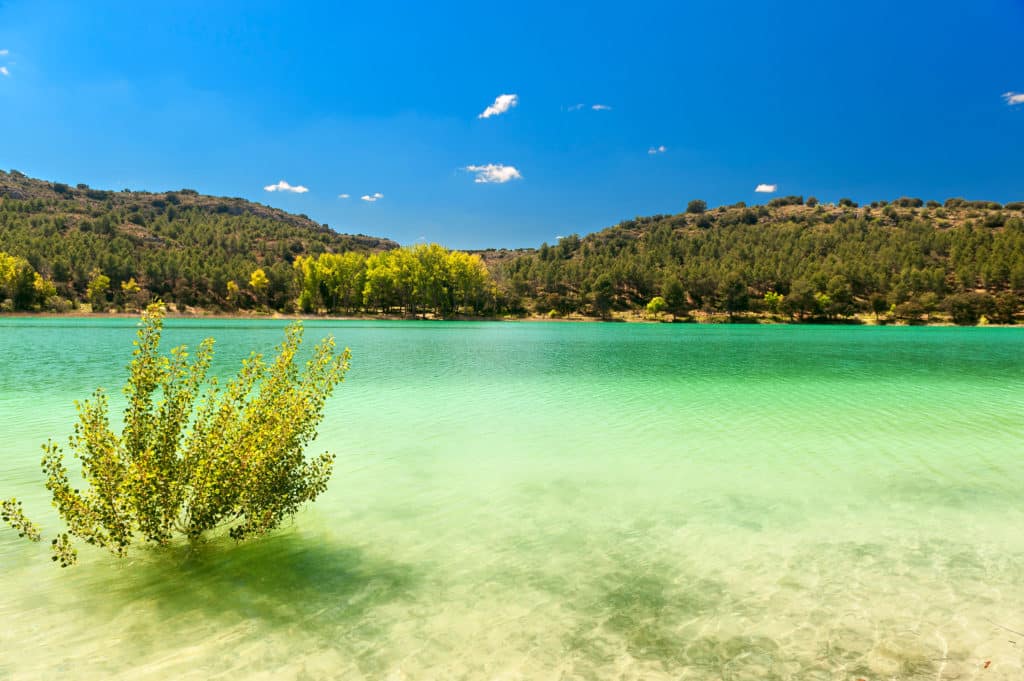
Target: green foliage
point(780, 201)
point(602, 295)
point(202, 251)
point(862, 262)
point(697, 206)
point(657, 305)
point(193, 455)
point(966, 309)
point(425, 278)
point(258, 280)
point(99, 287)
point(181, 247)
point(22, 288)
point(675, 295)
point(12, 514)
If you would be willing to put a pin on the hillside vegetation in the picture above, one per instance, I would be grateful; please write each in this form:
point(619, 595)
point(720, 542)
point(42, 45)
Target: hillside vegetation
point(904, 260)
point(179, 246)
point(796, 259)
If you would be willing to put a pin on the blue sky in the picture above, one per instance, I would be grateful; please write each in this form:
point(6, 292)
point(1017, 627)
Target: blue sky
point(868, 100)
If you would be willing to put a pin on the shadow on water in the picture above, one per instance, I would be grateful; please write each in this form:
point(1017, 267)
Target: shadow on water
point(283, 580)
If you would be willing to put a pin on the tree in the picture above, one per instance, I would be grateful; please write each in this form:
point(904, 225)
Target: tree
point(259, 283)
point(966, 308)
point(602, 295)
point(801, 300)
point(696, 207)
point(656, 306)
point(99, 286)
point(879, 304)
point(17, 282)
point(675, 296)
point(1005, 307)
point(183, 465)
point(732, 294)
point(232, 293)
point(840, 295)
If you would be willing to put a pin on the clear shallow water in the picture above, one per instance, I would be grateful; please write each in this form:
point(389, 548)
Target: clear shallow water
point(561, 501)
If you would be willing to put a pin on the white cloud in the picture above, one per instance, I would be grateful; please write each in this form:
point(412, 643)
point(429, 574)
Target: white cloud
point(1014, 98)
point(657, 150)
point(342, 196)
point(574, 107)
point(494, 173)
point(501, 104)
point(283, 186)
point(601, 107)
point(372, 198)
point(4, 71)
point(4, 53)
point(766, 188)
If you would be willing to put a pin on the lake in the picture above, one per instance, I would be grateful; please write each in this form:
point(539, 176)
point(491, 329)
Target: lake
point(565, 501)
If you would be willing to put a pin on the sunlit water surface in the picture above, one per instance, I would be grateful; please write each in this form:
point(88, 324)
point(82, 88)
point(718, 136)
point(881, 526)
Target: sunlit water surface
point(563, 501)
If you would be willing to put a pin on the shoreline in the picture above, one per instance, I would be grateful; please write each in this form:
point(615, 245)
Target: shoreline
point(621, 318)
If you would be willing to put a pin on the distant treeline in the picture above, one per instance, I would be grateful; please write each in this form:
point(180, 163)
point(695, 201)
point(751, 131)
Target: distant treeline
point(794, 259)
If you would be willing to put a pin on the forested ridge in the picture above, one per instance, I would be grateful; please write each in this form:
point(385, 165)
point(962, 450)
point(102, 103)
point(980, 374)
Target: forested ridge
point(179, 246)
point(63, 247)
point(802, 260)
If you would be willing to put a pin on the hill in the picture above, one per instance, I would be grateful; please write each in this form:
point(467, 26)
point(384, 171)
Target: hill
point(179, 245)
point(904, 259)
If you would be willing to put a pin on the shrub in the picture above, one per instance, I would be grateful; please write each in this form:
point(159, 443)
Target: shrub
point(780, 201)
point(993, 220)
point(184, 466)
point(697, 206)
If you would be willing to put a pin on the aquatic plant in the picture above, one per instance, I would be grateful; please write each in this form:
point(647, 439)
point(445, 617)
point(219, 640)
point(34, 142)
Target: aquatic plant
point(193, 455)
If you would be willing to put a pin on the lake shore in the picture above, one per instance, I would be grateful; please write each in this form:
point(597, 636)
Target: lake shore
point(628, 317)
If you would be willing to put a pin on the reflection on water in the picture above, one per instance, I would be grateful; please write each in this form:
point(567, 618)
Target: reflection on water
point(568, 502)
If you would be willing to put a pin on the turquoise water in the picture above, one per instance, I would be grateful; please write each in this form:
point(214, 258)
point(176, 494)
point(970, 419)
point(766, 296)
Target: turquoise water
point(567, 501)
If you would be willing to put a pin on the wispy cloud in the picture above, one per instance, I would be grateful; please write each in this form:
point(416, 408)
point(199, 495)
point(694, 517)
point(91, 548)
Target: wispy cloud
point(283, 186)
point(574, 107)
point(4, 71)
point(501, 104)
point(494, 173)
point(372, 198)
point(1014, 98)
point(343, 196)
point(601, 107)
point(4, 53)
point(766, 188)
point(660, 149)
